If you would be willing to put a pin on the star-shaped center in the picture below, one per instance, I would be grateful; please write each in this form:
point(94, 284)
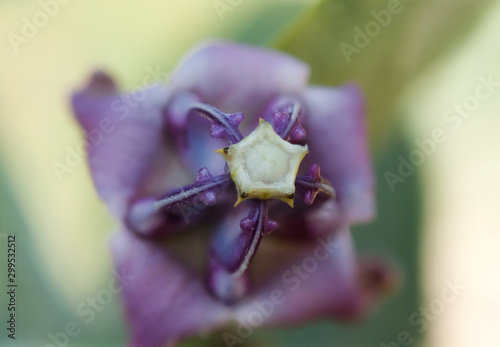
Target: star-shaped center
point(263, 165)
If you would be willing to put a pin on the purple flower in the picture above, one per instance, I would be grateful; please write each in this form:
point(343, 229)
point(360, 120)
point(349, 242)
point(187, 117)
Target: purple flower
point(174, 163)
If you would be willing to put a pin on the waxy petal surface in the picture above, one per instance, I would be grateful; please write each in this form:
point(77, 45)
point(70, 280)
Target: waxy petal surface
point(164, 302)
point(239, 78)
point(130, 137)
point(338, 141)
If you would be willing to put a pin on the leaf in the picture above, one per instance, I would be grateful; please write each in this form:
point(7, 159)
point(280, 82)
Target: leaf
point(389, 51)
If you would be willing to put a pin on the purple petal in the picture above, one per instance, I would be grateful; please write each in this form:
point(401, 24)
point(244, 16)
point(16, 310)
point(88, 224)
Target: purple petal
point(176, 115)
point(312, 183)
point(201, 147)
point(239, 78)
point(164, 302)
point(124, 136)
point(201, 143)
point(306, 222)
point(322, 280)
point(337, 139)
point(285, 113)
point(226, 286)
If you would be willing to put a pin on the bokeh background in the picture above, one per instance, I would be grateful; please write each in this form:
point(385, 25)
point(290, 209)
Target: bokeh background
point(441, 222)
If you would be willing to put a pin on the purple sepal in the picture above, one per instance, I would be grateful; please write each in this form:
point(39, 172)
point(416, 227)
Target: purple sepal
point(285, 114)
point(147, 214)
point(297, 134)
point(314, 172)
point(233, 246)
point(312, 183)
point(216, 131)
point(202, 190)
point(279, 121)
point(208, 197)
point(256, 229)
point(236, 118)
point(223, 125)
point(271, 225)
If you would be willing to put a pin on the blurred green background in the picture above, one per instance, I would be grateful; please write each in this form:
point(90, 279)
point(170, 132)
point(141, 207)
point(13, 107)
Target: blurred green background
point(440, 223)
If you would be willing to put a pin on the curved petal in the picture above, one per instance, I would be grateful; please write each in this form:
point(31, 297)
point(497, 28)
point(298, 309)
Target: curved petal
point(124, 135)
point(323, 280)
point(191, 133)
point(201, 147)
point(226, 286)
point(337, 140)
point(164, 302)
point(238, 78)
point(307, 221)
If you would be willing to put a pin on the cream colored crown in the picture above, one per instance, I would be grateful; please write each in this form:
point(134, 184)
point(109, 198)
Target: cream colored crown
point(263, 165)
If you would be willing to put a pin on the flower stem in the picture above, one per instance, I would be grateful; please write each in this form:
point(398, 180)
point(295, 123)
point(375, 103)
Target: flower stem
point(145, 215)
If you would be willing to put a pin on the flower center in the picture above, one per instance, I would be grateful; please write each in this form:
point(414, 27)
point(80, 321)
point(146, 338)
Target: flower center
point(263, 165)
